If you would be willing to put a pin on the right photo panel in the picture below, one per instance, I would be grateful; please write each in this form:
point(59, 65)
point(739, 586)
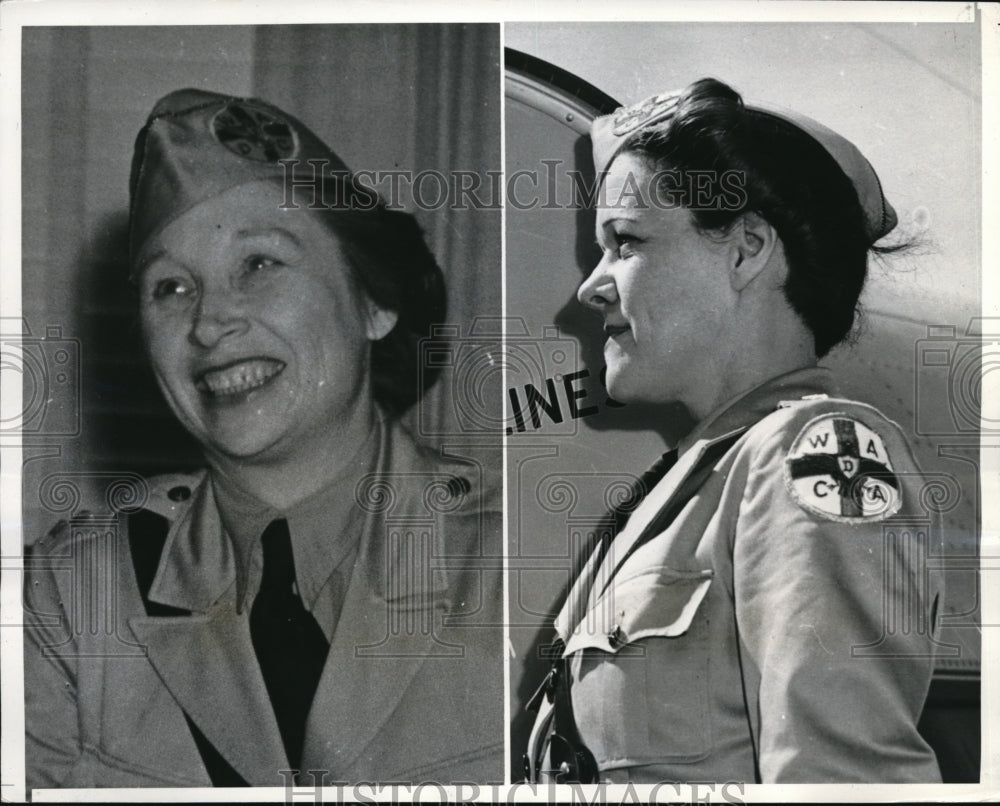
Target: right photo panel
point(745, 402)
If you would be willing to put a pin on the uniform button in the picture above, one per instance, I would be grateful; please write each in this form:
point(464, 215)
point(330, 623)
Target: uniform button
point(616, 637)
point(180, 493)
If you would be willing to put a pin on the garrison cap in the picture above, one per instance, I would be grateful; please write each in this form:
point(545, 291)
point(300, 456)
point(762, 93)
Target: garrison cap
point(196, 144)
point(609, 134)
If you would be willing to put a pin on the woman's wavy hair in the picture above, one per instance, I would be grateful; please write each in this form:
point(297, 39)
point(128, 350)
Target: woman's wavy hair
point(391, 263)
point(789, 179)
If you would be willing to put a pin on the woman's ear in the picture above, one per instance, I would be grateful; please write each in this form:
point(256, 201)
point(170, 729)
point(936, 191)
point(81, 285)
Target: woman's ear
point(753, 241)
point(379, 321)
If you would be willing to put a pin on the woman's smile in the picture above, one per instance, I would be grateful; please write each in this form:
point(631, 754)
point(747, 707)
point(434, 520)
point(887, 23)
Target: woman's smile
point(238, 377)
point(662, 288)
point(246, 303)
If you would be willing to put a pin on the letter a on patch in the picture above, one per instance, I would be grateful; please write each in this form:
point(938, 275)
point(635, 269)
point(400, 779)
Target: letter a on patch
point(839, 468)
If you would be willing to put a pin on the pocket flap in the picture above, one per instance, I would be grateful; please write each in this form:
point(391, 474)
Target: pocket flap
point(660, 602)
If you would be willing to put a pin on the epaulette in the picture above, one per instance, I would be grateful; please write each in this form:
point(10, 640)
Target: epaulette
point(171, 493)
point(787, 404)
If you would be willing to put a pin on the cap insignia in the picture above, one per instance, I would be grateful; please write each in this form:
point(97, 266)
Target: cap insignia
point(253, 133)
point(630, 118)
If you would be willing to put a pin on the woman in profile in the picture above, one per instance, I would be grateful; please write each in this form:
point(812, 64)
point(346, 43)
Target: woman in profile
point(761, 616)
point(291, 607)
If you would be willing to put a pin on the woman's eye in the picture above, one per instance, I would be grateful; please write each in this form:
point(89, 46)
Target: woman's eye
point(257, 271)
point(624, 244)
point(256, 263)
point(172, 288)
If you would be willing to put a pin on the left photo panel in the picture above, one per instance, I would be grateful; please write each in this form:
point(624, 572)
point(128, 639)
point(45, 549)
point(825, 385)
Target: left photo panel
point(261, 426)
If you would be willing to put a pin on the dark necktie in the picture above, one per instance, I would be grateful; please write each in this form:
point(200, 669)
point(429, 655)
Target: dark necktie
point(291, 648)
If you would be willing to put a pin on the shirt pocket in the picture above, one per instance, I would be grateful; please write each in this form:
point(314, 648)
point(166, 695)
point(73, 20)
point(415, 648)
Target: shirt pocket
point(640, 670)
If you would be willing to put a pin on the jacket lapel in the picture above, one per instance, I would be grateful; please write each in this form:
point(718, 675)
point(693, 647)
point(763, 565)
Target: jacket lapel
point(705, 455)
point(577, 603)
point(206, 659)
point(382, 640)
point(208, 664)
point(660, 498)
point(674, 489)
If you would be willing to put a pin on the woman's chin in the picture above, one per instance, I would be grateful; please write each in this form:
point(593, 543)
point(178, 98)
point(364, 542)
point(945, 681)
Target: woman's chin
point(617, 388)
point(243, 448)
point(243, 438)
point(621, 383)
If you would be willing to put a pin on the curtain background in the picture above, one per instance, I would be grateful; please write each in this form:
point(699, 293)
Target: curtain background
point(385, 97)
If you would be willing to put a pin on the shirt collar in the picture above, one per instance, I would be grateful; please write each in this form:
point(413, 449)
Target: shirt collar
point(752, 406)
point(324, 528)
point(216, 541)
point(390, 481)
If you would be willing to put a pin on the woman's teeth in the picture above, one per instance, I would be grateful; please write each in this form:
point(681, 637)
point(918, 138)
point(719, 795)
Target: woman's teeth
point(239, 378)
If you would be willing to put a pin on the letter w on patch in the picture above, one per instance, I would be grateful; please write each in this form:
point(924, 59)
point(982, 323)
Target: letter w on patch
point(839, 468)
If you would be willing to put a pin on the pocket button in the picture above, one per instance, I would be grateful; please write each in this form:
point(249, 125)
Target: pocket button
point(616, 637)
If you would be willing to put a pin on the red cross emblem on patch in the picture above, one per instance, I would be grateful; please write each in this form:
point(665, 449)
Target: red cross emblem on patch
point(839, 468)
point(254, 133)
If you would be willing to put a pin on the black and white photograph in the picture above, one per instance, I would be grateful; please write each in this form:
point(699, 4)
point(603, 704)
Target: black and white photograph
point(260, 539)
point(503, 402)
point(744, 489)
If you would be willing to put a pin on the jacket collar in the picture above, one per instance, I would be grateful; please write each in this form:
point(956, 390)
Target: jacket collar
point(751, 406)
point(199, 563)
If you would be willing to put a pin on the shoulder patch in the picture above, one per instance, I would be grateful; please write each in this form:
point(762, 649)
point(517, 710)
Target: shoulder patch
point(838, 468)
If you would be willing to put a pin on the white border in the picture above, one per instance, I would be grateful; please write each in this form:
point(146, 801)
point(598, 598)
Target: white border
point(11, 538)
point(14, 14)
point(507, 644)
point(989, 460)
point(276, 12)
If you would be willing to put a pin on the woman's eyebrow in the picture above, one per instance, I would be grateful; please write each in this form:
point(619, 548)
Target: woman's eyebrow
point(269, 231)
point(147, 261)
point(605, 230)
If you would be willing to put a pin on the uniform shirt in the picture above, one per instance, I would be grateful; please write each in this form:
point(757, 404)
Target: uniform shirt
point(325, 529)
point(781, 627)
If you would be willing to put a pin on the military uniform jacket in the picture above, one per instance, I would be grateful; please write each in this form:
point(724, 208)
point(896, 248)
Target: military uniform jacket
point(780, 629)
point(412, 689)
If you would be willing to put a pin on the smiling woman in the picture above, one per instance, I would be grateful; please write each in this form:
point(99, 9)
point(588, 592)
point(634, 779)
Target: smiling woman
point(257, 332)
point(260, 600)
point(740, 626)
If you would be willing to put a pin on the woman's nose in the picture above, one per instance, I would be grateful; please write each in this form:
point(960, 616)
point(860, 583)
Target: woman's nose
point(598, 290)
point(217, 317)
